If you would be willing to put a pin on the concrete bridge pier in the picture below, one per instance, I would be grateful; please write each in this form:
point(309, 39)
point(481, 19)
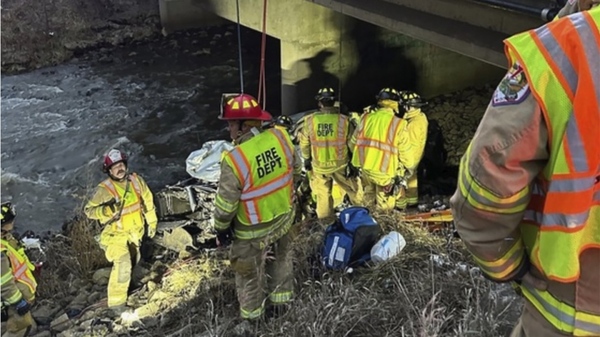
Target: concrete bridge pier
point(315, 53)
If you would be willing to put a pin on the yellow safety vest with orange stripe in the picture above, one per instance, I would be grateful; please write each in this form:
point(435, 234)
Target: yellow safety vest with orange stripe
point(264, 167)
point(328, 134)
point(132, 214)
point(22, 268)
point(562, 218)
point(376, 150)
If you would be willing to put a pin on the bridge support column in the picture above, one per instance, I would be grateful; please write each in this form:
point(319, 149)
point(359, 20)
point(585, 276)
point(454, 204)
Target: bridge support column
point(311, 59)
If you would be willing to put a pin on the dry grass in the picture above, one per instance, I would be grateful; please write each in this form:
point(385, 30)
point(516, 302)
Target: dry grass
point(41, 33)
point(408, 296)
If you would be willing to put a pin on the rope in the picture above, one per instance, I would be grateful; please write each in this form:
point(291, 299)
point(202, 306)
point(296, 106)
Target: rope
point(239, 34)
point(262, 86)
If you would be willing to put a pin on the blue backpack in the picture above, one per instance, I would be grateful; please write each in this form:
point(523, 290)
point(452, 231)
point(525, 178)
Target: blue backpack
point(349, 240)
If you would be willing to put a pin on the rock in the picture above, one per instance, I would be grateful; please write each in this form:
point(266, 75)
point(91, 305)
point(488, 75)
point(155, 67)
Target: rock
point(228, 34)
point(61, 323)
point(94, 297)
point(203, 34)
point(217, 37)
point(45, 313)
point(132, 54)
point(45, 333)
point(242, 328)
point(101, 276)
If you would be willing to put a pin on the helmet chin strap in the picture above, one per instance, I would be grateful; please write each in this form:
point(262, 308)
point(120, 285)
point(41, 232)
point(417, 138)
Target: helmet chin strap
point(240, 134)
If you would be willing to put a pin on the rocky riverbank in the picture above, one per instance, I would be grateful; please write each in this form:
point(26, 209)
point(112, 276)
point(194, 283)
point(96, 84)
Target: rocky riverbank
point(459, 114)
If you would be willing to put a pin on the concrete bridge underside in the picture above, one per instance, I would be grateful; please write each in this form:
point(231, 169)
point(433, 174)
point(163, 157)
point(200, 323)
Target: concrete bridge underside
point(313, 32)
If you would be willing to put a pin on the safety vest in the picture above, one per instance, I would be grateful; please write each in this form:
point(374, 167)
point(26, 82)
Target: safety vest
point(562, 63)
point(22, 268)
point(264, 167)
point(131, 216)
point(376, 149)
point(328, 134)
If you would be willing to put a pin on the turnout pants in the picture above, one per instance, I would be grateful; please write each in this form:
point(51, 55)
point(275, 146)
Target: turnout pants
point(262, 271)
point(123, 254)
point(322, 184)
point(16, 325)
point(411, 197)
point(533, 324)
point(375, 195)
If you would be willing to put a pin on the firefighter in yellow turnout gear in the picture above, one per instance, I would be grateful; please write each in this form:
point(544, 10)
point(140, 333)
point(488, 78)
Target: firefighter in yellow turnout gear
point(324, 146)
point(18, 282)
point(382, 151)
point(123, 203)
point(254, 207)
point(417, 134)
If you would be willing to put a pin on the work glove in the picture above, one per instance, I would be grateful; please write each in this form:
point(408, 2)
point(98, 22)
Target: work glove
point(351, 171)
point(110, 207)
point(308, 164)
point(151, 231)
point(224, 238)
point(22, 307)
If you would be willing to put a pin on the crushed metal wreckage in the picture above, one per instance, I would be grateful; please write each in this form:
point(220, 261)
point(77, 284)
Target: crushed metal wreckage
point(185, 209)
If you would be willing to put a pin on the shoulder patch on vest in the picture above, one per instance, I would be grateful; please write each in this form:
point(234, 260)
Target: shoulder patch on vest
point(513, 88)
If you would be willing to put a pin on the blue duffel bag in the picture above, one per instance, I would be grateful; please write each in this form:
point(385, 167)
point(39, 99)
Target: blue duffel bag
point(349, 240)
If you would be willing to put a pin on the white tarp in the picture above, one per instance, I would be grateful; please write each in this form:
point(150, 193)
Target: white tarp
point(205, 164)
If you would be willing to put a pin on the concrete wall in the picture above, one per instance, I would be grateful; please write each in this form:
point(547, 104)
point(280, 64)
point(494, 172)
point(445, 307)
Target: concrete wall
point(321, 47)
point(440, 70)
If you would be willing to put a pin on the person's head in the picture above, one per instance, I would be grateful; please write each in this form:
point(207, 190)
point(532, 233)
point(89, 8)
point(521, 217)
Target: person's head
point(325, 97)
point(7, 216)
point(115, 164)
point(410, 100)
point(285, 122)
point(243, 113)
point(388, 98)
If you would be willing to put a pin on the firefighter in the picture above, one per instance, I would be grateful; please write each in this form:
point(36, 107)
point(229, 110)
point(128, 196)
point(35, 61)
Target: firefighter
point(18, 281)
point(417, 135)
point(284, 123)
point(528, 200)
point(324, 146)
point(382, 151)
point(124, 205)
point(254, 207)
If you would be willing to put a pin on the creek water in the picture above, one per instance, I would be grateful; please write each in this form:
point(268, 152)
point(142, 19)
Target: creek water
point(158, 101)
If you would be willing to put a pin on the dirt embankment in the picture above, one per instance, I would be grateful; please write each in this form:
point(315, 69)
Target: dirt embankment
point(42, 33)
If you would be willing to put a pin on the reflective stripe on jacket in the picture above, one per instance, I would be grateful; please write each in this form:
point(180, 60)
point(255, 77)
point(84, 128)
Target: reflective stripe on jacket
point(564, 76)
point(377, 146)
point(132, 213)
point(561, 207)
point(328, 135)
point(21, 270)
point(264, 167)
